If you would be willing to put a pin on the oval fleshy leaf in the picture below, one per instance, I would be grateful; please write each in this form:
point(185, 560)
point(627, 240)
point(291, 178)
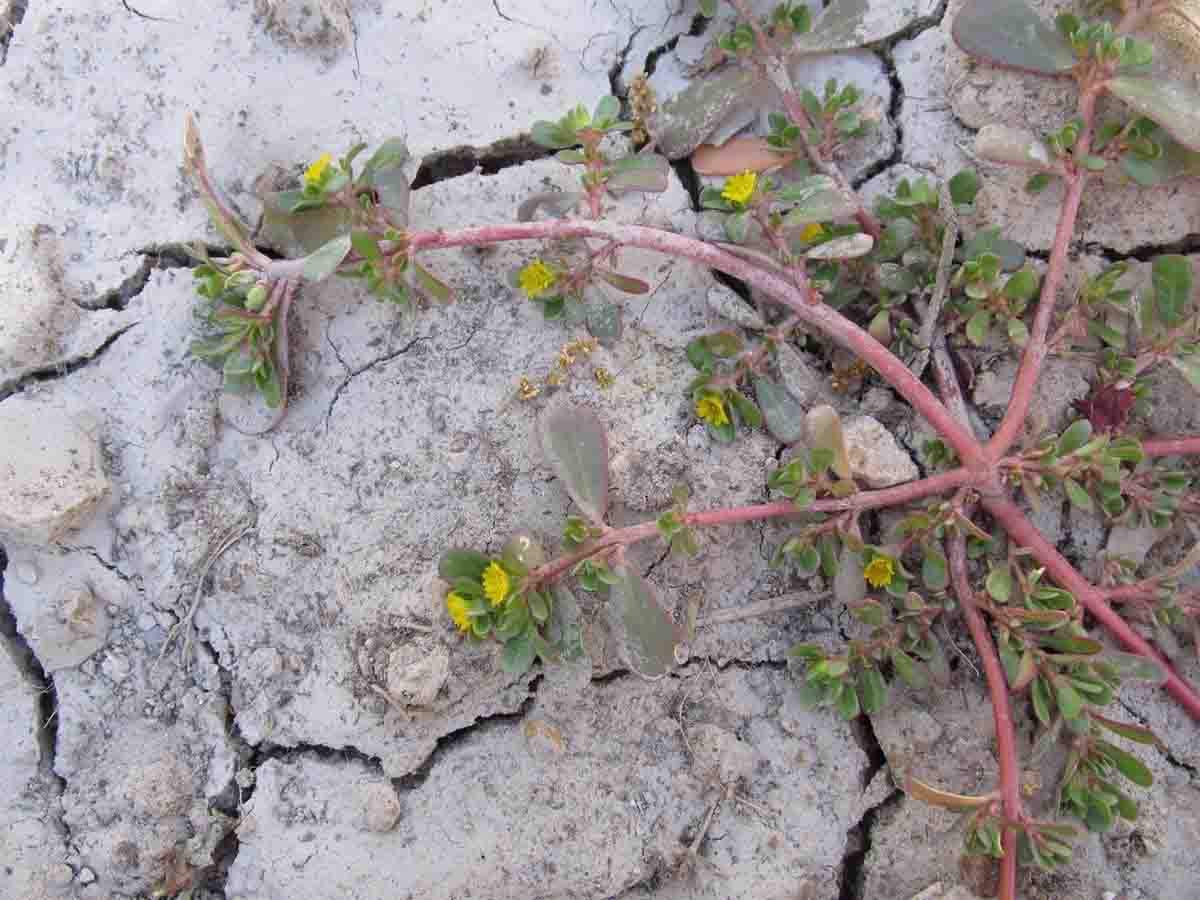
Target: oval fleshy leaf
point(646, 172)
point(851, 246)
point(1012, 146)
point(384, 172)
point(738, 154)
point(782, 411)
point(1174, 106)
point(853, 23)
point(576, 447)
point(604, 323)
point(823, 428)
point(817, 199)
point(462, 564)
point(1008, 33)
point(650, 634)
point(323, 262)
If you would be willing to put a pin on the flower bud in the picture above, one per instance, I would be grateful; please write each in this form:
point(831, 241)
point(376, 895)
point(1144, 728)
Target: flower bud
point(256, 299)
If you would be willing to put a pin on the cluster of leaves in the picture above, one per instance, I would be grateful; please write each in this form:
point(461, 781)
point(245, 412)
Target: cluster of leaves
point(492, 598)
point(899, 636)
point(714, 393)
point(239, 337)
point(1048, 655)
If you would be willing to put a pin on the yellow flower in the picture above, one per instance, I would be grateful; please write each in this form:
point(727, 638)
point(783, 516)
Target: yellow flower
point(712, 410)
point(495, 583)
point(880, 571)
point(457, 606)
point(536, 279)
point(314, 175)
point(740, 188)
point(812, 231)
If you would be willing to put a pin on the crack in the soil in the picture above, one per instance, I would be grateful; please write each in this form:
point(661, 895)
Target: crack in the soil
point(8, 25)
point(161, 257)
point(61, 369)
point(464, 159)
point(852, 877)
point(416, 778)
point(1186, 245)
point(43, 686)
point(354, 373)
point(1170, 757)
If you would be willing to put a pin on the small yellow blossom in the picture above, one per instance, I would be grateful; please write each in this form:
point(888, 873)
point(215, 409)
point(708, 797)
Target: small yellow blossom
point(603, 377)
point(812, 231)
point(740, 188)
point(457, 605)
point(536, 279)
point(495, 583)
point(712, 410)
point(880, 571)
point(314, 176)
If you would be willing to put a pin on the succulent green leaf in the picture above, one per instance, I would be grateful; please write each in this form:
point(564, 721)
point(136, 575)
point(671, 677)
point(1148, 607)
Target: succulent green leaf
point(576, 447)
point(323, 262)
point(607, 110)
point(963, 187)
point(935, 570)
point(708, 8)
point(978, 325)
point(1172, 104)
point(647, 172)
point(462, 564)
point(873, 690)
point(1009, 34)
point(988, 240)
point(1070, 703)
point(552, 136)
point(517, 655)
point(1136, 733)
point(650, 634)
point(851, 246)
point(1172, 282)
point(1135, 667)
point(823, 428)
point(909, 670)
point(605, 322)
point(1012, 146)
point(999, 584)
point(783, 413)
point(816, 198)
point(848, 706)
point(1038, 183)
point(750, 414)
point(1021, 285)
point(1079, 497)
point(431, 284)
point(1040, 695)
point(1076, 435)
point(1126, 763)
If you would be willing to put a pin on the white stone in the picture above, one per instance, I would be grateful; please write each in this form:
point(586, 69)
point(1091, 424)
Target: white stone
point(416, 672)
point(875, 455)
point(51, 475)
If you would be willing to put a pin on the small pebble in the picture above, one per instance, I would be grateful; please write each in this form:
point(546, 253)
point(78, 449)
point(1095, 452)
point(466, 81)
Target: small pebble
point(85, 876)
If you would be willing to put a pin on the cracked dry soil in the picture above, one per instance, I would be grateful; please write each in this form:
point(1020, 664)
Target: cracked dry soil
point(271, 760)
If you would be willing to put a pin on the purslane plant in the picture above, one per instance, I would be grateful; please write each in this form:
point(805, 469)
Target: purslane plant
point(892, 286)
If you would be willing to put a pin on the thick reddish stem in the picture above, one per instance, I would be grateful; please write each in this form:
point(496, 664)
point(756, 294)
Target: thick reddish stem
point(1022, 531)
point(1179, 446)
point(621, 537)
point(1006, 741)
point(1036, 350)
point(800, 300)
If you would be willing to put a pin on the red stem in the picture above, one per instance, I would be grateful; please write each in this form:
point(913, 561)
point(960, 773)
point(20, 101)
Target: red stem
point(622, 537)
point(1006, 742)
point(1179, 446)
point(1035, 350)
point(798, 299)
point(1021, 530)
